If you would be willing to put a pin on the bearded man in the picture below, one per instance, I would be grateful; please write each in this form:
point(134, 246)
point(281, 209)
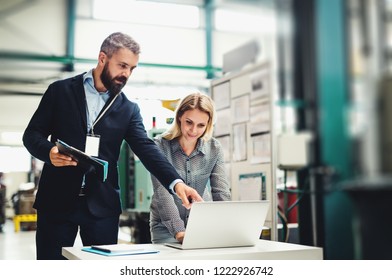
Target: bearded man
point(91, 113)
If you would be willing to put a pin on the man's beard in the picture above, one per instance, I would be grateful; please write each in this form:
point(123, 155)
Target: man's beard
point(110, 83)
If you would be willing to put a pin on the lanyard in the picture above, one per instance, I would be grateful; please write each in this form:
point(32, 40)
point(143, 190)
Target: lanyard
point(100, 114)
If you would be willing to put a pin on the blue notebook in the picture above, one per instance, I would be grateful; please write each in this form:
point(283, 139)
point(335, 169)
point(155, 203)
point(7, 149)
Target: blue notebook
point(118, 250)
point(88, 163)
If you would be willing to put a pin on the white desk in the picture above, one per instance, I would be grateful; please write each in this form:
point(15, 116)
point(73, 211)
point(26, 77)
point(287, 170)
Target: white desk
point(264, 250)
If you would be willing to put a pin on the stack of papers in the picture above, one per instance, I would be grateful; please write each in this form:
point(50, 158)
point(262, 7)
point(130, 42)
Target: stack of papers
point(94, 164)
point(118, 250)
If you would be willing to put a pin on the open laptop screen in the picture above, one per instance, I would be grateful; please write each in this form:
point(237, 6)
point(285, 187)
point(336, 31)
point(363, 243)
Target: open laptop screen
point(224, 224)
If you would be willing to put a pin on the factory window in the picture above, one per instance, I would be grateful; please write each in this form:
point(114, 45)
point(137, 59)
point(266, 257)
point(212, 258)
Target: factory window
point(145, 12)
point(241, 21)
point(14, 159)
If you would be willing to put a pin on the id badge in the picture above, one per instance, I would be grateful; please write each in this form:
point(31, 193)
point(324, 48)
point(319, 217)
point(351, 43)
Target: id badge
point(92, 145)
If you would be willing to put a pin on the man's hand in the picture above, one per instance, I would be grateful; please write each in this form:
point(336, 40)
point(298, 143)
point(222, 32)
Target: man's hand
point(187, 194)
point(59, 159)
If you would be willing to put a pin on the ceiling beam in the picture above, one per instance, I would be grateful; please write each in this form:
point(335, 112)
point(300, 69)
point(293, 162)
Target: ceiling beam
point(71, 59)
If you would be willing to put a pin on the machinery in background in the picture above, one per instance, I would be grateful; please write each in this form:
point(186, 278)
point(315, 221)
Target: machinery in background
point(143, 184)
point(2, 202)
point(137, 191)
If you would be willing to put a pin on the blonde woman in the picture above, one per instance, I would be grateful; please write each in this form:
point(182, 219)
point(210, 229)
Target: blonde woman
point(197, 157)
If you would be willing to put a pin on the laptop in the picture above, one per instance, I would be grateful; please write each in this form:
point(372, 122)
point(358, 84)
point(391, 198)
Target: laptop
point(221, 224)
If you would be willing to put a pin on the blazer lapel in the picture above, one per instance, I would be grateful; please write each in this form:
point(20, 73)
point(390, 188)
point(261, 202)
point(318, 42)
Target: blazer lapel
point(112, 107)
point(80, 97)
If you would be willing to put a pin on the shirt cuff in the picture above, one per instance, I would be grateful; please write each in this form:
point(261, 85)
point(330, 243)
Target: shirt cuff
point(171, 186)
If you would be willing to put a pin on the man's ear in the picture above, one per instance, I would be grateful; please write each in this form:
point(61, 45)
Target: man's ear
point(102, 57)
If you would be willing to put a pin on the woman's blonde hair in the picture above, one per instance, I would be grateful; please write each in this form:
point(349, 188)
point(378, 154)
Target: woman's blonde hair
point(196, 100)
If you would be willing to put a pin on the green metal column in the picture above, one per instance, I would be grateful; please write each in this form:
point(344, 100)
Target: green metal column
point(333, 88)
point(209, 15)
point(71, 34)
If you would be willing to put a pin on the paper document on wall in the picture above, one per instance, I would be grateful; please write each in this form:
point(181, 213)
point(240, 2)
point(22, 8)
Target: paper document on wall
point(252, 186)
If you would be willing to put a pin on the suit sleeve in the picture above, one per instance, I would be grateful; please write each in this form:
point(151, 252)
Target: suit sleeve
point(39, 128)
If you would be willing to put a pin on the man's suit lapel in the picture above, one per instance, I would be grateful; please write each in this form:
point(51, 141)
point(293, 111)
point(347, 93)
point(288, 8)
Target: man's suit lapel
point(112, 108)
point(80, 97)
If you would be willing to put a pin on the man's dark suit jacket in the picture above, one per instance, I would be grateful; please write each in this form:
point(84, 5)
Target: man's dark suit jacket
point(61, 114)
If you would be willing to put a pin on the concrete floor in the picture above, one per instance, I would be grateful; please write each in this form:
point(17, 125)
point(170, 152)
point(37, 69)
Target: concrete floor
point(21, 245)
point(16, 245)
